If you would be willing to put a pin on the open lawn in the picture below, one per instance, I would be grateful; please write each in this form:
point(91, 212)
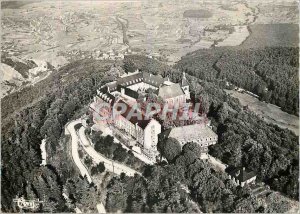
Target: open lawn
point(270, 113)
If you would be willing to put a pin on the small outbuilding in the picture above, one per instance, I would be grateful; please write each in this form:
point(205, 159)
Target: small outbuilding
point(241, 175)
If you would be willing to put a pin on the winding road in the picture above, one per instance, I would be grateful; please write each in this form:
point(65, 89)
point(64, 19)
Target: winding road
point(81, 138)
point(74, 146)
point(110, 165)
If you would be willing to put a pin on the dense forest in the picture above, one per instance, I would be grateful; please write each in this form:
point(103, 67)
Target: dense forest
point(22, 174)
point(244, 139)
point(271, 73)
point(184, 184)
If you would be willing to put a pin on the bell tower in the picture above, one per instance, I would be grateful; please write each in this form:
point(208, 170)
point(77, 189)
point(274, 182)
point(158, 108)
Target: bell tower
point(185, 86)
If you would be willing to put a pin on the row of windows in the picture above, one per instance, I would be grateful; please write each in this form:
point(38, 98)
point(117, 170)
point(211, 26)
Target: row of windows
point(130, 129)
point(133, 81)
point(151, 81)
point(191, 140)
point(177, 99)
point(187, 139)
point(153, 135)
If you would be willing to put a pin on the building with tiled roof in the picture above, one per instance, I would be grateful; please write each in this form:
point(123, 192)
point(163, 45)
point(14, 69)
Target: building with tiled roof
point(130, 89)
point(172, 91)
point(241, 175)
point(197, 133)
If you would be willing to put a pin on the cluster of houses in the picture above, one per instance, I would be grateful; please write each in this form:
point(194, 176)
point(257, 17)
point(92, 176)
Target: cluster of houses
point(110, 55)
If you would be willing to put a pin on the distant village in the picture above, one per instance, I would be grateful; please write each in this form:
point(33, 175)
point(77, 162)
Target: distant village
point(107, 55)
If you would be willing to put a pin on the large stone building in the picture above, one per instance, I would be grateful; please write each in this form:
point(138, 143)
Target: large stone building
point(132, 88)
point(196, 133)
point(144, 131)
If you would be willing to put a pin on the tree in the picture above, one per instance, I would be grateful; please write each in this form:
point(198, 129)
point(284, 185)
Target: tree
point(228, 202)
point(88, 161)
point(245, 205)
point(186, 159)
point(69, 108)
point(192, 147)
point(86, 194)
point(116, 196)
point(222, 113)
point(129, 66)
point(277, 203)
point(236, 156)
point(104, 145)
point(169, 149)
point(120, 154)
point(99, 168)
point(77, 126)
point(109, 139)
point(98, 141)
point(87, 131)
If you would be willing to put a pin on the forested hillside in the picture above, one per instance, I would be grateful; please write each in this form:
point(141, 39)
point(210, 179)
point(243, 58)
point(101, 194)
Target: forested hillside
point(271, 73)
point(244, 138)
point(186, 184)
point(22, 175)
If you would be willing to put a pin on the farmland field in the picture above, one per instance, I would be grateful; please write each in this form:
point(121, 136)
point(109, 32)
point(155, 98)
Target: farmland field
point(197, 14)
point(57, 33)
point(263, 35)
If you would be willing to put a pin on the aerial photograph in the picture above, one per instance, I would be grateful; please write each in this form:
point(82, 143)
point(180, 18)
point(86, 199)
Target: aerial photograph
point(150, 106)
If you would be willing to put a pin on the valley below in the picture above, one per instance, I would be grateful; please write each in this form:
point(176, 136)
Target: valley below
point(54, 34)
